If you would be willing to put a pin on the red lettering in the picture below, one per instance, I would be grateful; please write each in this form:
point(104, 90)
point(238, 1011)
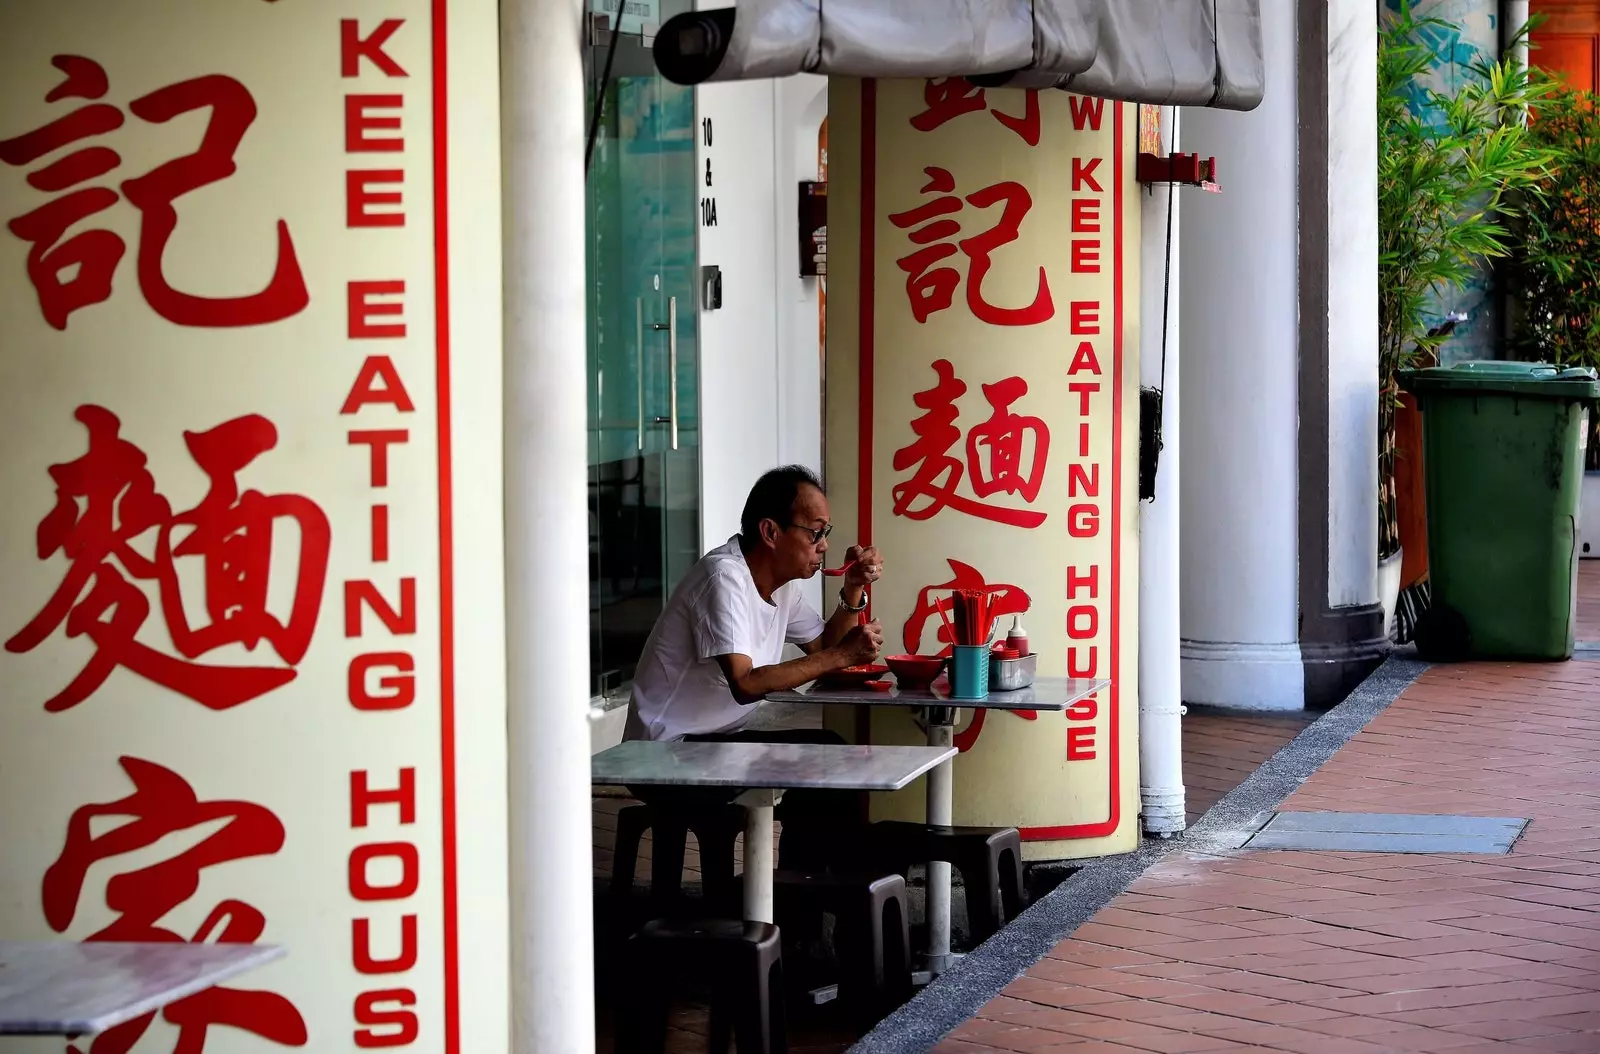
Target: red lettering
point(998, 459)
point(1083, 174)
point(1083, 391)
point(380, 534)
point(359, 591)
point(363, 797)
point(1085, 216)
point(1083, 481)
point(379, 440)
point(410, 871)
point(1080, 743)
point(368, 1013)
point(359, 198)
point(358, 122)
point(1086, 256)
point(1083, 440)
point(1075, 580)
point(364, 393)
point(1083, 621)
point(1085, 318)
point(1083, 521)
point(353, 47)
point(930, 289)
point(108, 497)
point(362, 309)
point(399, 689)
point(1086, 110)
point(1088, 669)
point(1084, 709)
point(361, 946)
point(1083, 360)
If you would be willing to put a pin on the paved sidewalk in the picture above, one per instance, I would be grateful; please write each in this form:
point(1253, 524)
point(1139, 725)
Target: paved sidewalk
point(1363, 952)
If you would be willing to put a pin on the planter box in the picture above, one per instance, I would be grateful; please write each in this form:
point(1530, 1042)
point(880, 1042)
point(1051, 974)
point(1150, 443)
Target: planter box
point(1589, 518)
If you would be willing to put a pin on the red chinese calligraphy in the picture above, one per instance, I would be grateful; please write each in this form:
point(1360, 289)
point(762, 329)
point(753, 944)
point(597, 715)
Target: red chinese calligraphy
point(996, 452)
point(69, 273)
point(107, 499)
point(163, 804)
point(1003, 600)
point(932, 289)
point(947, 98)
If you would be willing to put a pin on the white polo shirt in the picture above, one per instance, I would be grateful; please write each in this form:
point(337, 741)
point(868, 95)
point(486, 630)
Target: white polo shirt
point(679, 689)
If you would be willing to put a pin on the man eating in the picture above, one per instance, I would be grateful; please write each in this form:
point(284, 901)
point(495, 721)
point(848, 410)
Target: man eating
point(717, 650)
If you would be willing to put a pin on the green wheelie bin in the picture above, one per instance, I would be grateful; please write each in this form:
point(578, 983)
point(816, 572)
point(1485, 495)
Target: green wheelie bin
point(1503, 450)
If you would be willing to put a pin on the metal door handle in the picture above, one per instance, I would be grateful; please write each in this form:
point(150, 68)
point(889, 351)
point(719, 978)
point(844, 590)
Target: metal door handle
point(672, 366)
point(638, 360)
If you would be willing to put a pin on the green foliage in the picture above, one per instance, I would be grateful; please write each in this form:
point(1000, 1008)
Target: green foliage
point(1450, 177)
point(1555, 269)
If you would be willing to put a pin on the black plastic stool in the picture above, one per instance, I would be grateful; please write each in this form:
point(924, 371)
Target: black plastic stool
point(745, 963)
point(989, 859)
point(873, 931)
point(716, 829)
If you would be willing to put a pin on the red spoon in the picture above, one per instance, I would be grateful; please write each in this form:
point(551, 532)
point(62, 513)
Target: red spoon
point(835, 572)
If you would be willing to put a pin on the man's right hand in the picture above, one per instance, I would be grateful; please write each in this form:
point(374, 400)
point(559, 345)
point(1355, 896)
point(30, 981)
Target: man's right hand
point(862, 644)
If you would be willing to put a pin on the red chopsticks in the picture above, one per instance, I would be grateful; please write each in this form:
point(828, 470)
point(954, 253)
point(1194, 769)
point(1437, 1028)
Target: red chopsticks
point(973, 624)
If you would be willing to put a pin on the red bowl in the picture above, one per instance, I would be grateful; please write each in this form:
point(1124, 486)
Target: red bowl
point(916, 671)
point(853, 676)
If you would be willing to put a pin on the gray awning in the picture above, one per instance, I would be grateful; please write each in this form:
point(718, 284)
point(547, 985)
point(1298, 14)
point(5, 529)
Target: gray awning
point(1186, 52)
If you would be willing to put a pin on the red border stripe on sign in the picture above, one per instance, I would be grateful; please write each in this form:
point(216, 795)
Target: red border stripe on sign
point(1113, 819)
point(447, 717)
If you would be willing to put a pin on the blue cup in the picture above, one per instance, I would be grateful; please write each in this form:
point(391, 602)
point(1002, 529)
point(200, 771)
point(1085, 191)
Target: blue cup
point(969, 672)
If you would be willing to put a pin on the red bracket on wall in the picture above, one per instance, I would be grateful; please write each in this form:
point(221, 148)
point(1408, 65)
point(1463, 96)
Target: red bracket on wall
point(1187, 169)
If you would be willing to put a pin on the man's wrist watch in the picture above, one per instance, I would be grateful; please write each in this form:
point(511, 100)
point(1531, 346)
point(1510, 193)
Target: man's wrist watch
point(853, 607)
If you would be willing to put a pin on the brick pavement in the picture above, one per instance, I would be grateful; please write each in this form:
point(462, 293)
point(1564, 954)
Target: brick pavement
point(1220, 750)
point(1357, 952)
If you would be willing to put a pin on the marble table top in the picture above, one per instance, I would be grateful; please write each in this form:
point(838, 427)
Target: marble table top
point(765, 766)
point(66, 988)
point(1046, 693)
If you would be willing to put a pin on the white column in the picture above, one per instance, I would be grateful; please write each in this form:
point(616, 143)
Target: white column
point(1240, 599)
point(547, 592)
point(1160, 681)
point(1352, 303)
point(1513, 16)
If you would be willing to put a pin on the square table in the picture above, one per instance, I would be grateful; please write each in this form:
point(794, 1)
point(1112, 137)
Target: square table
point(66, 988)
point(1046, 693)
point(763, 771)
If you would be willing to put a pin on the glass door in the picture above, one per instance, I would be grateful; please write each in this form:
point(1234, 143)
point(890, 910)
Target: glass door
point(643, 362)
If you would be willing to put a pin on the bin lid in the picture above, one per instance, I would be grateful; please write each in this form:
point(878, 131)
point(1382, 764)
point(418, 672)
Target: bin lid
point(1538, 379)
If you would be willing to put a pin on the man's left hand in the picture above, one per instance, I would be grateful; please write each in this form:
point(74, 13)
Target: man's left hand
point(866, 566)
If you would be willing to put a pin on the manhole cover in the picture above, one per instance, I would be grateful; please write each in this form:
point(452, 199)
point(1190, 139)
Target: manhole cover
point(1372, 832)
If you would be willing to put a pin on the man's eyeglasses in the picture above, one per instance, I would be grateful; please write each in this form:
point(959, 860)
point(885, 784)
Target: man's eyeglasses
point(817, 533)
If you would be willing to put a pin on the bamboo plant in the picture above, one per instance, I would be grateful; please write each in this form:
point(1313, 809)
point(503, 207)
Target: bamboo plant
point(1447, 173)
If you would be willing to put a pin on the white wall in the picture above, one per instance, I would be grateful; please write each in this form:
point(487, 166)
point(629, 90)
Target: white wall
point(760, 368)
point(1353, 303)
point(738, 343)
point(1239, 546)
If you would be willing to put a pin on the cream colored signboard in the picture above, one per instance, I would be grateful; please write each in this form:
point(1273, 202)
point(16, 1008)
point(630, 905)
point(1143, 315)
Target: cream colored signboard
point(983, 418)
point(249, 403)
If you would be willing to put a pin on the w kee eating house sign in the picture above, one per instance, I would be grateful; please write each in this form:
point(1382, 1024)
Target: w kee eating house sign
point(983, 417)
point(237, 623)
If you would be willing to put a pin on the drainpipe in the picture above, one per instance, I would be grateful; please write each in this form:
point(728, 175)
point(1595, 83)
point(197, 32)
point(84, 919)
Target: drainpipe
point(546, 497)
point(1160, 683)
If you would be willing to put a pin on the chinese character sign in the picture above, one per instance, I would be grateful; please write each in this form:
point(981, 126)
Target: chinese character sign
point(232, 417)
point(983, 416)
